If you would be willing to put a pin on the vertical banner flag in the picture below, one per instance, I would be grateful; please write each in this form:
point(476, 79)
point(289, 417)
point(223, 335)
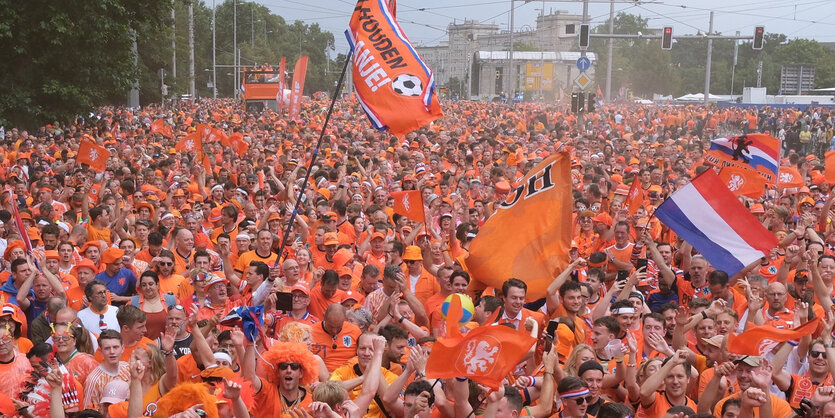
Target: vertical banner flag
point(757, 151)
point(297, 87)
point(529, 235)
point(395, 88)
point(409, 204)
point(93, 155)
point(279, 97)
point(635, 198)
point(707, 215)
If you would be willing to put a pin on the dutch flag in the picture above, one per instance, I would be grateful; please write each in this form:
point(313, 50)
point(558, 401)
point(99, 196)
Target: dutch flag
point(708, 215)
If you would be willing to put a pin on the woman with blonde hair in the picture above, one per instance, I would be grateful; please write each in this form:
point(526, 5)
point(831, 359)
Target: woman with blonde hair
point(305, 259)
point(579, 355)
point(297, 332)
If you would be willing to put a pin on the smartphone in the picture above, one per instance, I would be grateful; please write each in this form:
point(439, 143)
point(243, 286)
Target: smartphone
point(551, 330)
point(642, 262)
point(622, 275)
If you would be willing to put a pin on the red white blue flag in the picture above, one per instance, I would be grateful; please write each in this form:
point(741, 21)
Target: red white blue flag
point(706, 214)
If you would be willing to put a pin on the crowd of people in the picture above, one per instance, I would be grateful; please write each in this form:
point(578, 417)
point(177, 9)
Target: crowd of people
point(132, 291)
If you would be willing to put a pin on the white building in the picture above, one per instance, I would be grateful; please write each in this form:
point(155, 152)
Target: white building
point(481, 52)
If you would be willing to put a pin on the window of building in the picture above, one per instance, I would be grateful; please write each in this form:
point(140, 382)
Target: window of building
point(569, 29)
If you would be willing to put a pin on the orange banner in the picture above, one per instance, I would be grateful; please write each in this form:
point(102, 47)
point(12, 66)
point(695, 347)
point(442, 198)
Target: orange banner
point(395, 88)
point(635, 198)
point(486, 354)
point(297, 87)
point(93, 155)
point(761, 339)
point(789, 177)
point(160, 127)
point(529, 235)
point(190, 142)
point(409, 204)
point(743, 181)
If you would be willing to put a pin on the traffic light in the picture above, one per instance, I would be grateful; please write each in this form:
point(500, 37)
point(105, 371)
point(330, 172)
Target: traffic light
point(575, 105)
point(590, 106)
point(667, 38)
point(581, 102)
point(584, 36)
point(759, 32)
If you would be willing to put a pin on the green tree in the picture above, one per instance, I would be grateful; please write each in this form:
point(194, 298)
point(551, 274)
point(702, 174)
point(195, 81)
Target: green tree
point(64, 58)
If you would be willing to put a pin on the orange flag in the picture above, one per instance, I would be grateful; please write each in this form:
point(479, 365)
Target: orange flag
point(789, 177)
point(761, 339)
point(829, 174)
point(190, 142)
point(486, 354)
point(743, 181)
point(529, 235)
point(93, 155)
point(236, 141)
point(216, 135)
point(635, 198)
point(160, 127)
point(297, 87)
point(409, 204)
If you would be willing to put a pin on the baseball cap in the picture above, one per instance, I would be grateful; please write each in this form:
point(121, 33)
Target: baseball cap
point(715, 341)
point(115, 391)
point(330, 239)
point(301, 287)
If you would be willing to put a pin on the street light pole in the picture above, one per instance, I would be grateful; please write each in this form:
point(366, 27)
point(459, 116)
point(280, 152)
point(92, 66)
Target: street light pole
point(611, 51)
point(511, 81)
point(191, 89)
point(235, 47)
point(214, 54)
point(252, 23)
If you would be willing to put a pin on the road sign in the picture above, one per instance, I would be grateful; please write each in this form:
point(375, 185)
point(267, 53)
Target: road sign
point(583, 63)
point(582, 81)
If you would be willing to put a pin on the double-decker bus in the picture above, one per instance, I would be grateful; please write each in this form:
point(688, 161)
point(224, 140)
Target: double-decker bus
point(259, 89)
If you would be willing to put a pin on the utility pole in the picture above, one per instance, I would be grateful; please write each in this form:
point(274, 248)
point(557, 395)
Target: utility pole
point(214, 54)
point(581, 123)
point(611, 51)
point(709, 53)
point(133, 97)
point(173, 42)
point(733, 66)
point(252, 23)
point(541, 50)
point(235, 47)
point(191, 90)
point(511, 81)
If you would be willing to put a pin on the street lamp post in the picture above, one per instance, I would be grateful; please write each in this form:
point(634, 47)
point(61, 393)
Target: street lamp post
point(214, 54)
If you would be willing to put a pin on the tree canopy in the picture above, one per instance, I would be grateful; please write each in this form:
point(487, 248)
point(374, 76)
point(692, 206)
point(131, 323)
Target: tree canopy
point(644, 67)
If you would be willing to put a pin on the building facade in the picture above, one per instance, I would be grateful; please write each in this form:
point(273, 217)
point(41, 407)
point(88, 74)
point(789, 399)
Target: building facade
point(475, 60)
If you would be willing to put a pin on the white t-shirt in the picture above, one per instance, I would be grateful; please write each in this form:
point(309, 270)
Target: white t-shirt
point(96, 323)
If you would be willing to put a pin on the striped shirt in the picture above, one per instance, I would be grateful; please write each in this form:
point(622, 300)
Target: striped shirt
point(98, 379)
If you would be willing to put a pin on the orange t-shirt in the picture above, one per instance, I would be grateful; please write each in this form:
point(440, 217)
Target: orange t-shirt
point(659, 408)
point(338, 349)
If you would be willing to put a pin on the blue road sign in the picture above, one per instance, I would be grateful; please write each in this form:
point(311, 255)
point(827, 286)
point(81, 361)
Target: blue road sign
point(583, 63)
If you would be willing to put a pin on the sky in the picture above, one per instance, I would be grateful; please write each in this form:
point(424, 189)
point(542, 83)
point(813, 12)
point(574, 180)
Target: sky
point(425, 21)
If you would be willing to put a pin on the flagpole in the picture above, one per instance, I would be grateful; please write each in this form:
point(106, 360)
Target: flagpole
point(312, 160)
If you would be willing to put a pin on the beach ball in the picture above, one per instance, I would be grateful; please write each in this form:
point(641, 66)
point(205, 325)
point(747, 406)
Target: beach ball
point(466, 306)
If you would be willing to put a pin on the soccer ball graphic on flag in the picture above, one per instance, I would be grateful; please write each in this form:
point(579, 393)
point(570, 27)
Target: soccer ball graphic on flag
point(407, 85)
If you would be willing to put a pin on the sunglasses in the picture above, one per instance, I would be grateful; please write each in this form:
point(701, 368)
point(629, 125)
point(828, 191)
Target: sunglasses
point(166, 263)
point(581, 400)
point(292, 366)
point(817, 354)
point(61, 337)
